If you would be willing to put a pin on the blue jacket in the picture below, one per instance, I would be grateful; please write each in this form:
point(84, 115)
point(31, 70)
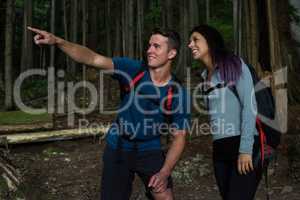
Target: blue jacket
point(229, 116)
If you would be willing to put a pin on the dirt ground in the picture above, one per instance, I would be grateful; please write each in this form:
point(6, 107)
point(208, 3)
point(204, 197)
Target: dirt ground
point(71, 170)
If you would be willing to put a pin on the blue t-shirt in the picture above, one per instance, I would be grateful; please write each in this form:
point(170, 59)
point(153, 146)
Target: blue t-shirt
point(141, 114)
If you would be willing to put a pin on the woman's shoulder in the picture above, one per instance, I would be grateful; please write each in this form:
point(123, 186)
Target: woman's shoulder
point(244, 67)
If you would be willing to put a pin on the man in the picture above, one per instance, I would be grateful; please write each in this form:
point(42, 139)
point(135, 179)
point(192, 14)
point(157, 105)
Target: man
point(133, 142)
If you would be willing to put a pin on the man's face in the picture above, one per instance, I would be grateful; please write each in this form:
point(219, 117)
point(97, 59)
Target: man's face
point(158, 53)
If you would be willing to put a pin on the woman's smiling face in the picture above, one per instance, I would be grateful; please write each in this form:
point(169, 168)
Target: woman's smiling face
point(198, 46)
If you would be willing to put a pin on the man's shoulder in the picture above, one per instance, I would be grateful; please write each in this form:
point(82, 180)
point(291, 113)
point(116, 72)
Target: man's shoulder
point(126, 61)
point(124, 66)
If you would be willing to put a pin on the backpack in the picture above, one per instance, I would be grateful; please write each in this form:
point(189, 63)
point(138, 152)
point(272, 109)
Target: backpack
point(269, 137)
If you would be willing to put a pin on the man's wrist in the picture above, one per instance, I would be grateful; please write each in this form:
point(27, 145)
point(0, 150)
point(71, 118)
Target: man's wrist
point(58, 40)
point(166, 172)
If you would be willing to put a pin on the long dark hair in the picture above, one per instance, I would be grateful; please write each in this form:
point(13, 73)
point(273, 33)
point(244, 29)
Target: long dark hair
point(229, 65)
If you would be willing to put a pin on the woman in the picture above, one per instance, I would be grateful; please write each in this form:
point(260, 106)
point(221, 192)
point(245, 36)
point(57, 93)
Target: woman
point(232, 110)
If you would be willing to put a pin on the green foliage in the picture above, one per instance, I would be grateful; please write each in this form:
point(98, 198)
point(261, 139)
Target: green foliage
point(195, 64)
point(225, 28)
point(41, 16)
point(2, 96)
point(3, 188)
point(34, 88)
point(294, 14)
point(52, 152)
point(19, 3)
point(222, 19)
point(153, 17)
point(19, 117)
point(6, 194)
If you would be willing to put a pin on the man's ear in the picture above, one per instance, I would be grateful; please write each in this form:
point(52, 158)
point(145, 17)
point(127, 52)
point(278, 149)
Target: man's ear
point(172, 54)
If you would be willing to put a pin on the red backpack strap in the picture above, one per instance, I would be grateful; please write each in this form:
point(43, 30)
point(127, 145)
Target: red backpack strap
point(168, 109)
point(262, 139)
point(134, 81)
point(169, 99)
point(125, 89)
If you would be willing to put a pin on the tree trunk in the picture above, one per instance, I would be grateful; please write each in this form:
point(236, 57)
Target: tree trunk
point(107, 27)
point(265, 48)
point(237, 26)
point(182, 63)
point(290, 35)
point(84, 39)
point(93, 34)
point(10, 7)
point(254, 33)
point(66, 33)
point(52, 50)
point(93, 39)
point(2, 44)
point(207, 11)
point(1, 80)
point(10, 177)
point(123, 27)
point(118, 33)
point(130, 28)
point(74, 31)
point(26, 59)
point(140, 27)
point(280, 73)
point(250, 31)
point(295, 27)
point(169, 14)
point(194, 13)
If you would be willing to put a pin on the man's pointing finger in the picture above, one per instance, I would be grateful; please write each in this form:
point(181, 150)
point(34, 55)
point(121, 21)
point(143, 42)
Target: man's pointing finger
point(35, 30)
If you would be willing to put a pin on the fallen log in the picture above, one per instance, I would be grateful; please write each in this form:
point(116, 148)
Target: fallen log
point(24, 128)
point(21, 138)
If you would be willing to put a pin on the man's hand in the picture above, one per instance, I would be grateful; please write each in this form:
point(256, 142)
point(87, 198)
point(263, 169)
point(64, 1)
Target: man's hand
point(159, 182)
point(245, 164)
point(43, 37)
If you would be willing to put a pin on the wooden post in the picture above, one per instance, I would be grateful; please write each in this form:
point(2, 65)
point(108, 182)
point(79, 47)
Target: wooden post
point(278, 71)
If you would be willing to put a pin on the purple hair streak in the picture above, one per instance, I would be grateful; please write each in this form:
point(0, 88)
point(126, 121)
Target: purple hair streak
point(229, 65)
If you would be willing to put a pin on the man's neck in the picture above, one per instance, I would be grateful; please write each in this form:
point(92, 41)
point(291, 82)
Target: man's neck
point(161, 76)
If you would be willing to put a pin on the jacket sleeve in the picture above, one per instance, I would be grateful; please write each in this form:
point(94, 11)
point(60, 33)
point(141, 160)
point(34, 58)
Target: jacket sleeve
point(245, 89)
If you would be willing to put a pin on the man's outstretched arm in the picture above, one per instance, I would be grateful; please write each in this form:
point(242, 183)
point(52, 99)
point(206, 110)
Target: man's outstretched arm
point(77, 52)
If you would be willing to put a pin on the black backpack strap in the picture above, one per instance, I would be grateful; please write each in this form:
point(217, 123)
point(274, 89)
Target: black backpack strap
point(235, 92)
point(209, 90)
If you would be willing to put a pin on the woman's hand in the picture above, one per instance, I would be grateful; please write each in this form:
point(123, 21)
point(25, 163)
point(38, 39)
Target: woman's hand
point(245, 164)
